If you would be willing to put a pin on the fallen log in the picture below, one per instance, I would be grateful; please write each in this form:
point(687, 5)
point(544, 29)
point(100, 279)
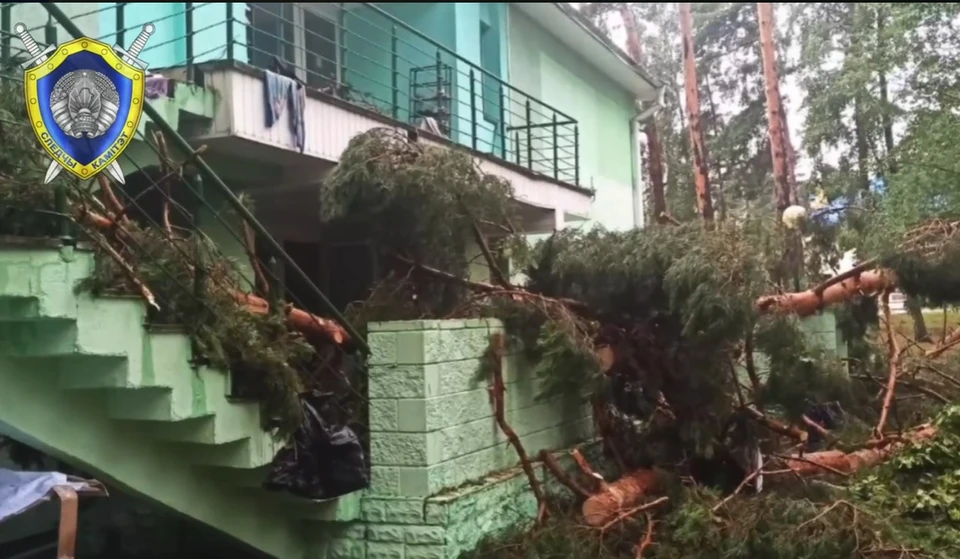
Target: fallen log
point(805, 303)
point(818, 462)
point(631, 489)
point(310, 325)
point(619, 496)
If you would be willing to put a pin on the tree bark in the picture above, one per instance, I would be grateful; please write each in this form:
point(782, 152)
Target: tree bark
point(629, 490)
point(654, 146)
point(780, 150)
point(699, 147)
point(775, 118)
point(805, 303)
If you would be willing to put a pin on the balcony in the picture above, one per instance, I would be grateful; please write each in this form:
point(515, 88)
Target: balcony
point(364, 66)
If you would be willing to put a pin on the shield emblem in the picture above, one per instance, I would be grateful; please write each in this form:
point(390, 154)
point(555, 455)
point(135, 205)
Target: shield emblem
point(84, 104)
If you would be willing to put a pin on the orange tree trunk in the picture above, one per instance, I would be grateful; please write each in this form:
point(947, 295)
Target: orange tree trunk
point(805, 303)
point(775, 117)
point(654, 147)
point(628, 491)
point(698, 146)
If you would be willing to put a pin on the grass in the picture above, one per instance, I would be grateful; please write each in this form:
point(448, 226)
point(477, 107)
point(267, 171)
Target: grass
point(935, 325)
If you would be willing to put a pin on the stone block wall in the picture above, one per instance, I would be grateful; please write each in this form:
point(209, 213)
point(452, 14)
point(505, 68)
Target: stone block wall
point(443, 475)
point(823, 331)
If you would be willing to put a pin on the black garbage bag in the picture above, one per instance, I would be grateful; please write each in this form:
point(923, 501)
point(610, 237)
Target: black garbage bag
point(324, 461)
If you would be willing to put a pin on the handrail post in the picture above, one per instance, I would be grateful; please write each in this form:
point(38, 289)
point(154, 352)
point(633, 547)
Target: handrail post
point(275, 295)
point(50, 32)
point(576, 155)
point(473, 111)
point(556, 149)
point(64, 228)
point(342, 48)
point(230, 52)
point(503, 124)
point(199, 268)
point(394, 101)
point(529, 136)
point(188, 31)
point(5, 29)
point(120, 23)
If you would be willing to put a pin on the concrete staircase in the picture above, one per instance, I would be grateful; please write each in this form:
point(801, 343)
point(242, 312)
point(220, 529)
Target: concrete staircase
point(85, 380)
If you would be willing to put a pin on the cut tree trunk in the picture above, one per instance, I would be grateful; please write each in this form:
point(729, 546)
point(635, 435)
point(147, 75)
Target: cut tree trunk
point(824, 462)
point(654, 146)
point(628, 491)
point(697, 144)
point(619, 496)
point(805, 303)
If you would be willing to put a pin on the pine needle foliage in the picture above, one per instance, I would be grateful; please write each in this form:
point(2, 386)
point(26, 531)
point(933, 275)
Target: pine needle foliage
point(419, 202)
point(258, 348)
point(675, 303)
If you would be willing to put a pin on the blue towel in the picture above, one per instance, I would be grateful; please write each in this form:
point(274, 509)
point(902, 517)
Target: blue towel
point(282, 92)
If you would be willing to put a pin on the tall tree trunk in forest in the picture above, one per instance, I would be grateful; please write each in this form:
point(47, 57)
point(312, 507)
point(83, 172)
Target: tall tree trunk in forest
point(920, 332)
point(795, 194)
point(697, 144)
point(780, 151)
point(775, 118)
point(654, 147)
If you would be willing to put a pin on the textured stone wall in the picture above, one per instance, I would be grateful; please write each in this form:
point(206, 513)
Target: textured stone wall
point(444, 475)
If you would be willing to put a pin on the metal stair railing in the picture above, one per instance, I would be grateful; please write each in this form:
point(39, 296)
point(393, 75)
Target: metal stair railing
point(210, 175)
point(65, 209)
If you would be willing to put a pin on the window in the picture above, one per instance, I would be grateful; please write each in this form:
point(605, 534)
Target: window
point(320, 45)
point(304, 36)
point(271, 33)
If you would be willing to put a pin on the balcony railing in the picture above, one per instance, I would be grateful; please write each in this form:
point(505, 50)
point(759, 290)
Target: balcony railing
point(367, 55)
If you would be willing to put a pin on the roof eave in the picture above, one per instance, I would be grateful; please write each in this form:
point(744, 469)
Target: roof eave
point(581, 35)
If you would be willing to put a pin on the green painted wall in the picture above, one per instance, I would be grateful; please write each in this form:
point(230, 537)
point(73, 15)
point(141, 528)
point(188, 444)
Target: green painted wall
point(84, 381)
point(545, 68)
point(384, 74)
point(444, 476)
point(431, 419)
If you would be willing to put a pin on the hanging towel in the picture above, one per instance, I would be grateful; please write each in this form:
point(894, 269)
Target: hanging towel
point(281, 93)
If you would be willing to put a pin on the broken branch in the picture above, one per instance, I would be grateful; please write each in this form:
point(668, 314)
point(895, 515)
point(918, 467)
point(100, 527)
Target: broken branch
point(497, 390)
point(567, 481)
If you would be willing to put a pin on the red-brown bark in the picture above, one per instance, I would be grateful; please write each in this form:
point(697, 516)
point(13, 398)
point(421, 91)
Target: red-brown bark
point(654, 146)
point(805, 303)
point(697, 144)
point(817, 463)
point(628, 491)
point(775, 117)
point(619, 496)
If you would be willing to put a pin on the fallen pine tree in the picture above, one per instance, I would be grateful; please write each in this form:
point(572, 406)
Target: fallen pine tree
point(625, 494)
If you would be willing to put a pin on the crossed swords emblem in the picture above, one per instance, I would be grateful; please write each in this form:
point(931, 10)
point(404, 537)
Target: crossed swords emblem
point(39, 56)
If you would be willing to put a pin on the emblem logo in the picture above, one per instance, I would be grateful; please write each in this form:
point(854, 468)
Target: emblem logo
point(84, 100)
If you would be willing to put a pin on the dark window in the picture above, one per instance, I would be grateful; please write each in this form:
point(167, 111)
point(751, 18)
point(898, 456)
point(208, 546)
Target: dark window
point(320, 44)
point(271, 33)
